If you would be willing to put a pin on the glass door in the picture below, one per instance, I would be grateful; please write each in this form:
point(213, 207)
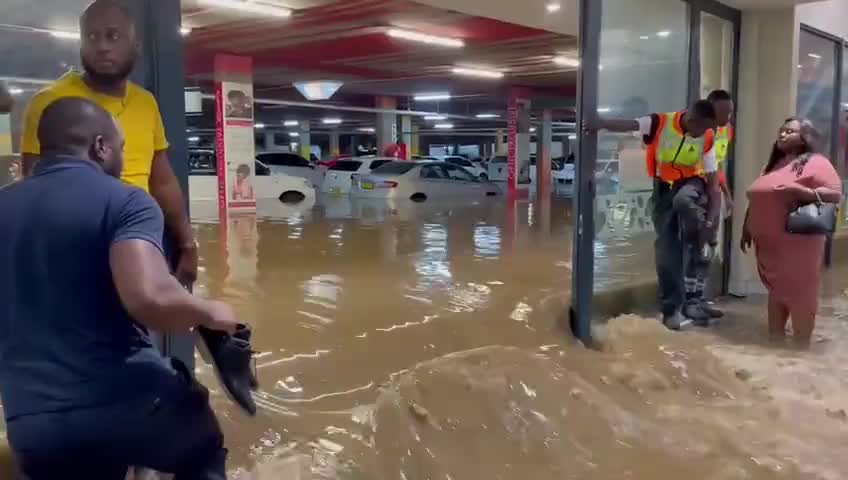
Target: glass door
point(718, 54)
point(638, 57)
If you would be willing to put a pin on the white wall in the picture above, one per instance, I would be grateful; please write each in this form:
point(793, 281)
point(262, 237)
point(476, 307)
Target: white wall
point(767, 91)
point(830, 16)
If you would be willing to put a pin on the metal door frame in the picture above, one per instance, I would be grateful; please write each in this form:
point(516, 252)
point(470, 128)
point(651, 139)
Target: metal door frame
point(583, 259)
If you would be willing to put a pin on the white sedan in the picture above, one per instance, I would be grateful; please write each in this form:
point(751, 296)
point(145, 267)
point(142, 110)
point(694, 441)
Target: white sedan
point(285, 188)
point(338, 178)
point(419, 181)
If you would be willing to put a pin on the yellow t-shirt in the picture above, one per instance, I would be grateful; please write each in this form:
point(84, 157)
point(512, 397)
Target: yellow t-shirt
point(137, 114)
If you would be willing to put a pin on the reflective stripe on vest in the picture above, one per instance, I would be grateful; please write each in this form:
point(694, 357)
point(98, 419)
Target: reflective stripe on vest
point(722, 144)
point(677, 156)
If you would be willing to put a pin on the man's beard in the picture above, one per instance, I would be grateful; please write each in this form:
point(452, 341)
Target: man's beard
point(109, 79)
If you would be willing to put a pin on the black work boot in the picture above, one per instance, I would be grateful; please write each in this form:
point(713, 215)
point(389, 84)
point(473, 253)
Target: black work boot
point(676, 321)
point(232, 359)
point(693, 311)
point(711, 311)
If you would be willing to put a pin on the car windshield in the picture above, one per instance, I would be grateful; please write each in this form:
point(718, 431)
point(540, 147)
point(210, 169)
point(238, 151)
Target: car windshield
point(394, 168)
point(459, 161)
point(346, 166)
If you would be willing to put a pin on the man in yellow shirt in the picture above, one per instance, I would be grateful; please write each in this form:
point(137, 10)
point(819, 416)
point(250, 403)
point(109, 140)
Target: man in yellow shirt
point(108, 51)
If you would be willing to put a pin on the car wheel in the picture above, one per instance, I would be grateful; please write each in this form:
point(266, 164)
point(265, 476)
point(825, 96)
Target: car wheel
point(484, 177)
point(292, 196)
point(418, 197)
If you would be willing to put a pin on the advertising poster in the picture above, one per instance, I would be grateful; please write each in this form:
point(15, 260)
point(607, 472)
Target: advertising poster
point(234, 134)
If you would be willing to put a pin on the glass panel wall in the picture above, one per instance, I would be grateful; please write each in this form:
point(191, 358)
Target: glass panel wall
point(717, 64)
point(36, 48)
point(644, 59)
point(817, 83)
point(842, 139)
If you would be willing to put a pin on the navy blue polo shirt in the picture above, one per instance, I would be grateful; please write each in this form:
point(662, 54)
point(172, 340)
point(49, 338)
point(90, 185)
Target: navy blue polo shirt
point(66, 341)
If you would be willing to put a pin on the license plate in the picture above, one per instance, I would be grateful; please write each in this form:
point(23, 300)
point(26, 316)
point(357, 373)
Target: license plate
point(367, 186)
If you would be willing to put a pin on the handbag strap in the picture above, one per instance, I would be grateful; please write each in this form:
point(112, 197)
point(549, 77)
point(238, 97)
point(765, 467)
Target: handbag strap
point(818, 197)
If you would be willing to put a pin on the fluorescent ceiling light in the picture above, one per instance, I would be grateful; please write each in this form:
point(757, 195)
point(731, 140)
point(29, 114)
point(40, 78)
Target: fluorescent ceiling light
point(435, 117)
point(193, 139)
point(64, 34)
point(15, 90)
point(432, 97)
point(367, 129)
point(291, 123)
point(604, 109)
point(532, 129)
point(425, 38)
point(249, 6)
point(259, 126)
point(644, 37)
point(814, 55)
point(553, 7)
point(477, 72)
point(331, 121)
point(663, 33)
point(487, 115)
point(294, 134)
point(185, 31)
point(443, 126)
point(566, 61)
point(318, 90)
point(572, 137)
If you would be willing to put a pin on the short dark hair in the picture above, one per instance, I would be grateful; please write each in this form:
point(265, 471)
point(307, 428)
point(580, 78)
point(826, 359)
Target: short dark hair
point(719, 96)
point(704, 109)
point(70, 124)
point(243, 169)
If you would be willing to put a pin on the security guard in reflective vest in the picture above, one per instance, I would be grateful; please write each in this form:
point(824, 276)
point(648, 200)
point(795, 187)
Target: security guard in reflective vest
point(681, 158)
point(724, 107)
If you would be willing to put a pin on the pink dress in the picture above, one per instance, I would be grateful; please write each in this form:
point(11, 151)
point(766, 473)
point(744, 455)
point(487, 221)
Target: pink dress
point(790, 265)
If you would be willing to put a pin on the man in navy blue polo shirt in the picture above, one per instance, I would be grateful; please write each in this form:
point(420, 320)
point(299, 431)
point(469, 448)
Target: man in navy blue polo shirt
point(83, 278)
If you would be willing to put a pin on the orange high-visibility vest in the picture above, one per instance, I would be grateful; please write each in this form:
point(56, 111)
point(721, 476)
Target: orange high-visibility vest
point(673, 155)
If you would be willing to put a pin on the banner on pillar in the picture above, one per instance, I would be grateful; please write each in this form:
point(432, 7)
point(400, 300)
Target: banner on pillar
point(234, 133)
point(518, 139)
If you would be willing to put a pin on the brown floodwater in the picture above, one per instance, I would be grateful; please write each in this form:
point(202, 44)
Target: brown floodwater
point(425, 341)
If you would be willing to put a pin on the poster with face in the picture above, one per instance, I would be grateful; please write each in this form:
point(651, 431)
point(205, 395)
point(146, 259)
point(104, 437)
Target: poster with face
point(235, 136)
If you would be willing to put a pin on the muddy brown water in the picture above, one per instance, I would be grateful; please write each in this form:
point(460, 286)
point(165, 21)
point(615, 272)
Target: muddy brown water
point(424, 341)
point(421, 341)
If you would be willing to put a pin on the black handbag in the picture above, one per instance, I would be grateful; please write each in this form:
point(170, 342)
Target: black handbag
point(817, 218)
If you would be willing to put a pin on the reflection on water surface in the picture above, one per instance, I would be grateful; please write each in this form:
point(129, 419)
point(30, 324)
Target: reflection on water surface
point(416, 341)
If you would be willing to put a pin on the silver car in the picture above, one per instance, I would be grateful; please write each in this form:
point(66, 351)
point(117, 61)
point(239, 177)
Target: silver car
point(420, 181)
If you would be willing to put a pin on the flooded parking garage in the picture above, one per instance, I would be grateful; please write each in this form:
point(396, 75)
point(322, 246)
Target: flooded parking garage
point(423, 341)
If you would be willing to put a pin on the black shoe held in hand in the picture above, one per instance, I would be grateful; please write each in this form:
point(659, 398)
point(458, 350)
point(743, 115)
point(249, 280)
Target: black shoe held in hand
point(232, 358)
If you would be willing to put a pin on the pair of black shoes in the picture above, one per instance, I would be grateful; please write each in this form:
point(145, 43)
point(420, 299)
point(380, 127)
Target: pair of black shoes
point(232, 359)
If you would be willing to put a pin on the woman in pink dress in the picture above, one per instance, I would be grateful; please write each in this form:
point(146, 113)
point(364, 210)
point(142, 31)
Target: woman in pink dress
point(790, 265)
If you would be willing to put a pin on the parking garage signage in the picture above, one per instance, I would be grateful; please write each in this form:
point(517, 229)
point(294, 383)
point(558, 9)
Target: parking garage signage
point(234, 133)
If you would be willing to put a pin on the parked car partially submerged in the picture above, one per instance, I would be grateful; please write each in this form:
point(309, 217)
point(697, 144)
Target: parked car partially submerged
point(420, 181)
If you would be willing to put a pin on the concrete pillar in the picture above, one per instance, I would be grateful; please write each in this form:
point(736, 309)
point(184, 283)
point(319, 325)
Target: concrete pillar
point(335, 151)
point(767, 91)
point(270, 144)
point(354, 145)
point(415, 141)
point(518, 148)
point(544, 152)
point(500, 142)
point(387, 133)
point(406, 134)
point(305, 139)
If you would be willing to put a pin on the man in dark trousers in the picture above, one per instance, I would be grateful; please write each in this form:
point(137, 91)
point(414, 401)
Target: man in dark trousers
point(84, 391)
point(681, 160)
